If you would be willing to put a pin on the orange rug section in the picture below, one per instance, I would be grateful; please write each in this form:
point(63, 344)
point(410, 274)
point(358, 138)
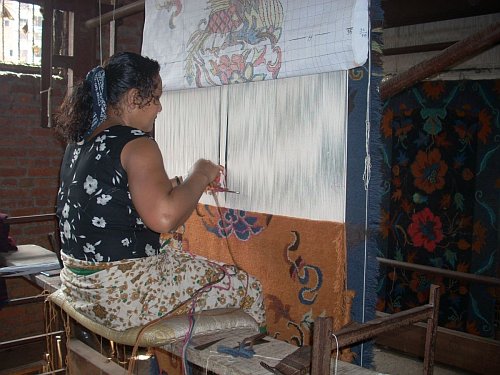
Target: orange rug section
point(301, 264)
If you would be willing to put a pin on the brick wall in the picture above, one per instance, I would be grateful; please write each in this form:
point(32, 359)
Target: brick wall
point(30, 157)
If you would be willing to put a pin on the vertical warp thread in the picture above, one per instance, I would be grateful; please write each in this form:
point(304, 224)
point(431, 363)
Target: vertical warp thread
point(285, 142)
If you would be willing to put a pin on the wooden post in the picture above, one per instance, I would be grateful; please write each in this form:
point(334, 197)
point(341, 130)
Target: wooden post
point(457, 52)
point(322, 346)
point(430, 336)
point(46, 68)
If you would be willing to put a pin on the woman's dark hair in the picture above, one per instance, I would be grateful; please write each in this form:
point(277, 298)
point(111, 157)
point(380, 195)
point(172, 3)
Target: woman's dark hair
point(123, 71)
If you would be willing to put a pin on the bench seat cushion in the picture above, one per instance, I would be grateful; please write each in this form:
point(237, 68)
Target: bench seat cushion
point(166, 331)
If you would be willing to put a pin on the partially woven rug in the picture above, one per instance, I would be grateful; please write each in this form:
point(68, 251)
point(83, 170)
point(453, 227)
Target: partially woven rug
point(301, 264)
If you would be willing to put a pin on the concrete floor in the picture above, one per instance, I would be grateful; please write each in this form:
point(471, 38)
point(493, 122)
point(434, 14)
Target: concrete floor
point(387, 361)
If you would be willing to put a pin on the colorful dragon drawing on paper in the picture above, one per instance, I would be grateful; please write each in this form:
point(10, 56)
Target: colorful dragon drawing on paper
point(238, 42)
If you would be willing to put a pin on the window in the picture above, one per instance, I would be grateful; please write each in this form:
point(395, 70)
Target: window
point(21, 33)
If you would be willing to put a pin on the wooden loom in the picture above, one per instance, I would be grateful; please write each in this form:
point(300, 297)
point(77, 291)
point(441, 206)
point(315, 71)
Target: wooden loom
point(278, 356)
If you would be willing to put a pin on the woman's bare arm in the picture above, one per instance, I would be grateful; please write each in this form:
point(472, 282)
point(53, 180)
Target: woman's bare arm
point(161, 206)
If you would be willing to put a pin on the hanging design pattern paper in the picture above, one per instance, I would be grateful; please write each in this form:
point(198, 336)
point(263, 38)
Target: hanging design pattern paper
point(218, 42)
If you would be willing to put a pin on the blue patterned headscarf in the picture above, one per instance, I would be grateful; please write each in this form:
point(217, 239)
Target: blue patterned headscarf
point(97, 79)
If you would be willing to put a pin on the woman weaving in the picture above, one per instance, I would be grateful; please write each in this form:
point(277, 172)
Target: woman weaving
point(115, 199)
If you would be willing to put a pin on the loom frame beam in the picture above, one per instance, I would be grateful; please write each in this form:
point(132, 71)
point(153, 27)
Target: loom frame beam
point(452, 55)
point(121, 12)
point(470, 277)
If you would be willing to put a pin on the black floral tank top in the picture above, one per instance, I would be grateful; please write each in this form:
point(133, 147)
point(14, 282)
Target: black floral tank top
point(97, 219)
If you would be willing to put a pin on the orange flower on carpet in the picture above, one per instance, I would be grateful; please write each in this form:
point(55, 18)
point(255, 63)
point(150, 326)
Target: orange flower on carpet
point(403, 129)
point(425, 230)
point(433, 89)
point(396, 196)
point(405, 110)
point(463, 244)
point(386, 126)
point(467, 174)
point(484, 126)
point(429, 171)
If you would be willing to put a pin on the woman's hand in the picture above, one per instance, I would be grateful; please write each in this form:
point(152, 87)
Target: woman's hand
point(208, 169)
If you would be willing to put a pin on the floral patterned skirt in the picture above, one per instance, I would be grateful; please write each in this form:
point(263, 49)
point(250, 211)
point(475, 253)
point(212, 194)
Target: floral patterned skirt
point(133, 292)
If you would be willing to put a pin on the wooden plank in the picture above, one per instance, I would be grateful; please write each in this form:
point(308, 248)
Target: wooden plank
point(83, 360)
point(453, 348)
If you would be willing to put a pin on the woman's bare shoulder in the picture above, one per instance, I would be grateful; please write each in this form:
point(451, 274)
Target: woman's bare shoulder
point(141, 152)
